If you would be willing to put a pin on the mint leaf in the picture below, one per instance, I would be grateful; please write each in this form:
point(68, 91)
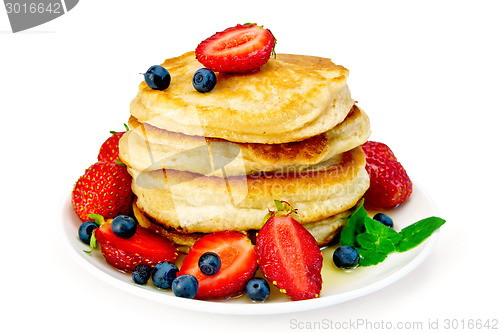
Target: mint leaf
point(382, 231)
point(355, 226)
point(417, 232)
point(367, 241)
point(369, 258)
point(377, 237)
point(374, 242)
point(385, 245)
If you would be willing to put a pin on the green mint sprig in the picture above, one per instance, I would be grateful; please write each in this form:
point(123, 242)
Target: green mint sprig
point(374, 241)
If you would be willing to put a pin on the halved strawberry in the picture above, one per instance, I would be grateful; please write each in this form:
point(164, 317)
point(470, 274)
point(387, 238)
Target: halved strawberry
point(109, 149)
point(238, 264)
point(144, 247)
point(289, 255)
point(239, 49)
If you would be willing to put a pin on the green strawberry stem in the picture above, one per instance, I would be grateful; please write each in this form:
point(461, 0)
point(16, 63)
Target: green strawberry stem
point(93, 243)
point(120, 162)
point(283, 209)
point(99, 219)
point(126, 126)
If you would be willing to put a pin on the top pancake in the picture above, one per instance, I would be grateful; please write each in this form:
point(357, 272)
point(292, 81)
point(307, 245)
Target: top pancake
point(289, 99)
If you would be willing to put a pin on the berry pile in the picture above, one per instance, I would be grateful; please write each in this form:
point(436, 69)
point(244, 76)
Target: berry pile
point(221, 264)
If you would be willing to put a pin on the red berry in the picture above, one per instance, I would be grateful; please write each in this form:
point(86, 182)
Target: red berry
point(109, 149)
point(143, 248)
point(239, 49)
point(289, 257)
point(378, 150)
point(238, 264)
point(389, 182)
point(104, 189)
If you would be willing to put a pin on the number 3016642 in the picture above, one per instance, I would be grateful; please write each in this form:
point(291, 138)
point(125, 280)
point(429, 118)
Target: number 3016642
point(33, 8)
point(472, 324)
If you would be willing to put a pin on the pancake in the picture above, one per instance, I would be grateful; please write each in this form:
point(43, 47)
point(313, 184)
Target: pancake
point(191, 203)
point(324, 231)
point(291, 98)
point(146, 147)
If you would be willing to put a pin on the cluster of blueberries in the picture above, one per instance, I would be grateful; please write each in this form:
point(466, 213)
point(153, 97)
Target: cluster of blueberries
point(158, 78)
point(164, 274)
point(346, 256)
point(122, 226)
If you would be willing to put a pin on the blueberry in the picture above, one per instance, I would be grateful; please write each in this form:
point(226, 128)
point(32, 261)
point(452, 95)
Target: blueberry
point(163, 274)
point(85, 231)
point(346, 257)
point(157, 78)
point(123, 226)
point(384, 219)
point(185, 286)
point(204, 80)
point(141, 274)
point(257, 289)
point(209, 263)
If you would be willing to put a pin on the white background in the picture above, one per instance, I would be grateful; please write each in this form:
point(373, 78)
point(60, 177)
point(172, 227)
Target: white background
point(427, 74)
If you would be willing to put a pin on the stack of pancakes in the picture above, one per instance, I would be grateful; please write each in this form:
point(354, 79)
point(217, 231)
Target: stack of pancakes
point(204, 162)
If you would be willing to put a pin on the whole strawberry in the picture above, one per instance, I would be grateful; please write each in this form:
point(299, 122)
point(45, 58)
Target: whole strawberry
point(389, 182)
point(104, 189)
point(109, 149)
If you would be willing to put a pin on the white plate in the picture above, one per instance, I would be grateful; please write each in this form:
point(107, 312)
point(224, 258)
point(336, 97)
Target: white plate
point(338, 286)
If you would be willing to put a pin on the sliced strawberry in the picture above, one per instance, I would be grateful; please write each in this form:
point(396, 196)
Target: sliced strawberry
point(144, 247)
point(109, 149)
point(104, 189)
point(289, 255)
point(389, 182)
point(238, 264)
point(239, 49)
